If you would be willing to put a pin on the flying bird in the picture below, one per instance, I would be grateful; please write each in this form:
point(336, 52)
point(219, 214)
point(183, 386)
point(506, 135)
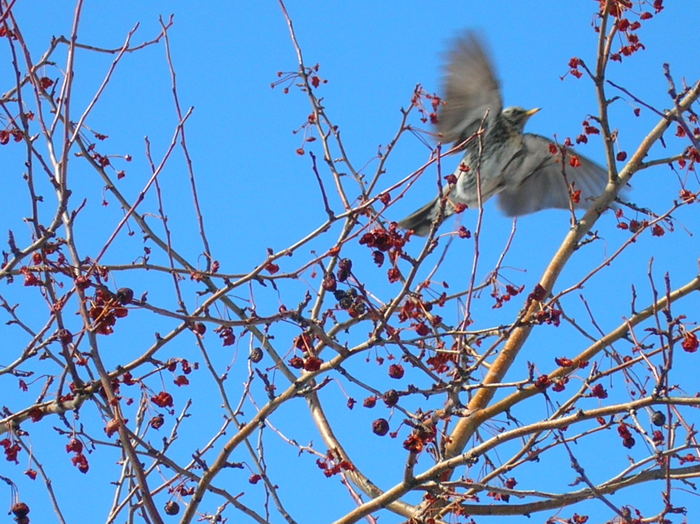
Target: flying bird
point(525, 170)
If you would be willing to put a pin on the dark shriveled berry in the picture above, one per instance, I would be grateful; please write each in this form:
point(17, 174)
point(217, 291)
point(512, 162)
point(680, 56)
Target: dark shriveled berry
point(359, 307)
point(344, 268)
point(346, 302)
point(391, 398)
point(256, 355)
point(380, 427)
point(345, 264)
point(65, 336)
point(172, 508)
point(103, 293)
point(658, 418)
point(125, 295)
point(20, 510)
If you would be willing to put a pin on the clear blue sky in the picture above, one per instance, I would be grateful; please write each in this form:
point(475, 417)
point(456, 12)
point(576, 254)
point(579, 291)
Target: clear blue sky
point(258, 193)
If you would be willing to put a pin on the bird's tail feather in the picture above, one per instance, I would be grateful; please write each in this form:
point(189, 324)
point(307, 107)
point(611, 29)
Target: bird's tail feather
point(421, 220)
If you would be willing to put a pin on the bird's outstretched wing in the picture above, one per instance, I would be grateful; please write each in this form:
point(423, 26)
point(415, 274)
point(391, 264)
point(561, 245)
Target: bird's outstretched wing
point(541, 181)
point(470, 90)
point(421, 220)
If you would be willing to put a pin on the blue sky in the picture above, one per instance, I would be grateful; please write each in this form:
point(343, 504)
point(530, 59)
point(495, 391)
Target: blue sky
point(258, 193)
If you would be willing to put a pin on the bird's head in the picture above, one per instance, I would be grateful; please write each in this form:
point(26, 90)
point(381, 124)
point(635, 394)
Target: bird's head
point(517, 116)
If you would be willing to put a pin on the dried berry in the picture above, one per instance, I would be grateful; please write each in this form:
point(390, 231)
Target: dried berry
point(312, 364)
point(125, 295)
point(329, 282)
point(296, 362)
point(346, 302)
point(163, 399)
point(226, 334)
point(690, 342)
point(391, 398)
point(380, 427)
point(344, 268)
point(626, 435)
point(422, 329)
point(599, 391)
point(304, 342)
point(658, 418)
point(120, 312)
point(256, 355)
point(20, 510)
point(65, 336)
point(102, 293)
point(543, 382)
point(396, 371)
point(172, 508)
point(82, 282)
point(394, 275)
point(370, 402)
point(254, 479)
point(358, 307)
point(157, 421)
point(74, 446)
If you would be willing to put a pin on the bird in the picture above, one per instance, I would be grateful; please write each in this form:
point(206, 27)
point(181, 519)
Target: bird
point(526, 171)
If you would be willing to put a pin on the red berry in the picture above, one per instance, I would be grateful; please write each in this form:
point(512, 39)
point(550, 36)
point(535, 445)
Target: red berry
point(396, 371)
point(329, 283)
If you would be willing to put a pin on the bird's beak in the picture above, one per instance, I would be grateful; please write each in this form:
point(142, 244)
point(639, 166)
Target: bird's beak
point(532, 111)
